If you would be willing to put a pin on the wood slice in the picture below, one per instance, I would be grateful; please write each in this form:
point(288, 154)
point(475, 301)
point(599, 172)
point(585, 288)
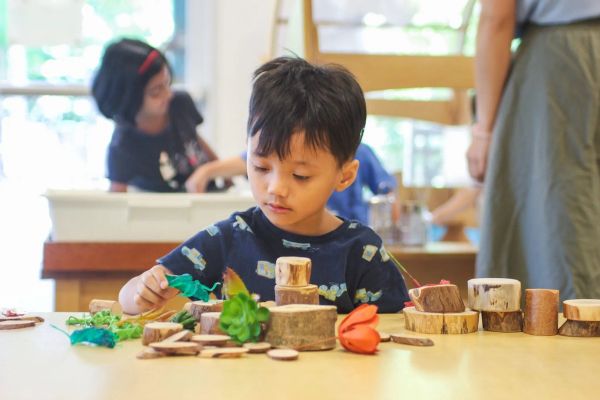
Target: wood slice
point(283, 354)
point(308, 294)
point(149, 354)
point(411, 340)
point(496, 321)
point(34, 318)
point(582, 309)
point(580, 328)
point(260, 347)
point(183, 336)
point(197, 308)
point(494, 294)
point(438, 298)
point(292, 271)
point(384, 337)
point(159, 331)
point(302, 327)
point(541, 312)
point(209, 323)
point(267, 304)
point(177, 348)
point(441, 323)
point(16, 324)
point(223, 352)
point(113, 306)
point(211, 340)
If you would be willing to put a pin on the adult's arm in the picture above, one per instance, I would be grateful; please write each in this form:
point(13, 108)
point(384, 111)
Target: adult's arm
point(492, 62)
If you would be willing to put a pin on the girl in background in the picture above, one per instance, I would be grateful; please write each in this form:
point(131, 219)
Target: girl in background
point(155, 146)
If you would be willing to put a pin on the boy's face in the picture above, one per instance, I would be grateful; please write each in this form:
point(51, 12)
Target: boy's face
point(293, 192)
point(157, 94)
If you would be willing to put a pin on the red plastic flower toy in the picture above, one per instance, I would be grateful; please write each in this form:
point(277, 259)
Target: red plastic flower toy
point(357, 331)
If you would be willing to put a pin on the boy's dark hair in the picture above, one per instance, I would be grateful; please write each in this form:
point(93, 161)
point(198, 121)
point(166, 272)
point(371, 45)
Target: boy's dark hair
point(290, 95)
point(126, 68)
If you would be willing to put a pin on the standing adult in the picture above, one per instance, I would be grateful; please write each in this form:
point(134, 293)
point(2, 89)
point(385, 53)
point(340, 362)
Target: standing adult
point(536, 143)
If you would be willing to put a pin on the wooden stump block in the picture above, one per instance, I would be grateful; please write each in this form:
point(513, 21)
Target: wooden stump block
point(292, 271)
point(580, 328)
point(97, 305)
point(438, 299)
point(308, 294)
point(582, 309)
point(197, 308)
point(541, 312)
point(441, 323)
point(302, 327)
point(209, 323)
point(497, 321)
point(159, 331)
point(494, 294)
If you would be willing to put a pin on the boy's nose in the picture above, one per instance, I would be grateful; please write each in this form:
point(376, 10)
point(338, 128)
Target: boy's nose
point(278, 187)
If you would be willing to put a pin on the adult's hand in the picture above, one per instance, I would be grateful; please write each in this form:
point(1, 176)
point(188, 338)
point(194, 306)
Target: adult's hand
point(477, 154)
point(198, 181)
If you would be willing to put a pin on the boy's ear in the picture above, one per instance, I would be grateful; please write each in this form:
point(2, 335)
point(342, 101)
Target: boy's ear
point(348, 175)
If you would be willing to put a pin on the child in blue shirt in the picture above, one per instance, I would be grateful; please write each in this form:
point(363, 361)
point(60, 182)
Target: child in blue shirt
point(305, 125)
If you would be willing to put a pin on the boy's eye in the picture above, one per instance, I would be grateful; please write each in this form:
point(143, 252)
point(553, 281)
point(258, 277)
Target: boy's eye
point(258, 168)
point(301, 177)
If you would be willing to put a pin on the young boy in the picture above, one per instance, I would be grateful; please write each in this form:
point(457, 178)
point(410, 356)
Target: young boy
point(304, 127)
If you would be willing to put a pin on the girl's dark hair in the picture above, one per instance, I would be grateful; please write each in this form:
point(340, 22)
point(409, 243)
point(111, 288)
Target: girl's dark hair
point(290, 95)
point(126, 68)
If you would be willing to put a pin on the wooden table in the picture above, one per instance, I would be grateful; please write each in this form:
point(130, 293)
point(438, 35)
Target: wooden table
point(40, 363)
point(84, 271)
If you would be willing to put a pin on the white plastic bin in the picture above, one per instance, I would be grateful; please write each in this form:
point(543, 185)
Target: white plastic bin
point(96, 216)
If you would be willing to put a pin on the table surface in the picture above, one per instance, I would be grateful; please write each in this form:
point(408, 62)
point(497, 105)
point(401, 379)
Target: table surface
point(39, 362)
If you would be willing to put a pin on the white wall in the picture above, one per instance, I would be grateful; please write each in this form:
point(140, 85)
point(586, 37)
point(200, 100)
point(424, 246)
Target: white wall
point(235, 37)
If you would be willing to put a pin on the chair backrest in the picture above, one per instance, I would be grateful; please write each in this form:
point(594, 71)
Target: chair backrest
point(377, 72)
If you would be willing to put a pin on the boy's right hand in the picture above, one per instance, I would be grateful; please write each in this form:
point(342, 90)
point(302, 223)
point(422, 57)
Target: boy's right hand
point(152, 289)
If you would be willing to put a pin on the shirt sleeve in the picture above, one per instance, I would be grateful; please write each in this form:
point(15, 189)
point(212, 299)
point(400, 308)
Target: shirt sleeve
point(202, 256)
point(372, 173)
point(374, 279)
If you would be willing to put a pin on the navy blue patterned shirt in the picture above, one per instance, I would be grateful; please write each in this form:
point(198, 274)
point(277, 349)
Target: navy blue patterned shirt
point(349, 264)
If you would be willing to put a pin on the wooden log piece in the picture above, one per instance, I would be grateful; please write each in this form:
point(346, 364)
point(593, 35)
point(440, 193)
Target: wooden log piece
point(441, 323)
point(209, 323)
point(113, 306)
point(541, 312)
point(34, 318)
point(494, 294)
point(197, 308)
point(497, 321)
point(149, 354)
point(302, 327)
point(308, 294)
point(159, 331)
point(292, 271)
point(582, 309)
point(437, 298)
point(580, 328)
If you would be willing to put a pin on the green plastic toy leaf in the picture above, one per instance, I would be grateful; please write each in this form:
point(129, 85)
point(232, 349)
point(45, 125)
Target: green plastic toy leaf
point(241, 318)
point(190, 287)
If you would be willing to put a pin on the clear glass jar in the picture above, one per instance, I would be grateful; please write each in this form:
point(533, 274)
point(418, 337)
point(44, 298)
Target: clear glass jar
point(381, 217)
point(412, 224)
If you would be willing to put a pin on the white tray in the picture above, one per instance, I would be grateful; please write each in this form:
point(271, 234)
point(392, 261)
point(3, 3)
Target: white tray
point(97, 216)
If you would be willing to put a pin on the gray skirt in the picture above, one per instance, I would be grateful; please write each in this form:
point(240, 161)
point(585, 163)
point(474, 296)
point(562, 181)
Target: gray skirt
point(541, 213)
